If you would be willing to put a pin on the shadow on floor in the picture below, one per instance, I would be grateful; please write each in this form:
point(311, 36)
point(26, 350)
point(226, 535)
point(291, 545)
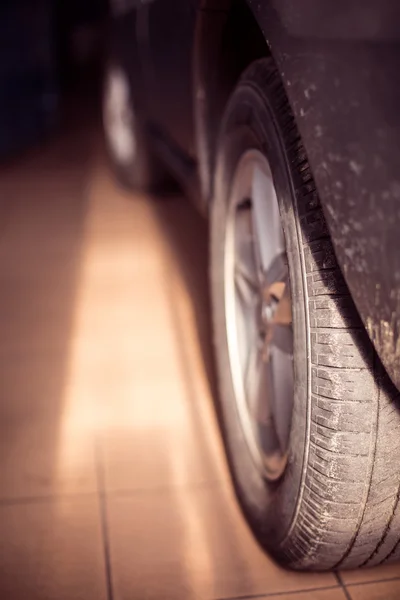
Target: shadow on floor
point(186, 232)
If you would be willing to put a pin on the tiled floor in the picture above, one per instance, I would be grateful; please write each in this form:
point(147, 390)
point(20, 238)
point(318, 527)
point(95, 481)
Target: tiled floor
point(113, 482)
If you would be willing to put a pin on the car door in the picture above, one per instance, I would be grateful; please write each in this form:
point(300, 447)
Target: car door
point(165, 31)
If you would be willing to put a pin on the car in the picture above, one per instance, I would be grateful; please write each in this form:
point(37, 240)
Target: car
point(280, 120)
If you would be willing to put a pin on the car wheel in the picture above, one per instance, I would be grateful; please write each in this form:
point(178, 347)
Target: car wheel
point(128, 145)
point(310, 421)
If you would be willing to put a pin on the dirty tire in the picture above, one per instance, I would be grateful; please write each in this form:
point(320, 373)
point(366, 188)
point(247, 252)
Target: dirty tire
point(337, 503)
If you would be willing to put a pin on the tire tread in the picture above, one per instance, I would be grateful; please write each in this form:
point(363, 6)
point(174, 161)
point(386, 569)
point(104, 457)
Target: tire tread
point(350, 403)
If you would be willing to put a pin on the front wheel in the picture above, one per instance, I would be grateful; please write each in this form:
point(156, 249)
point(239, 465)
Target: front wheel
point(301, 390)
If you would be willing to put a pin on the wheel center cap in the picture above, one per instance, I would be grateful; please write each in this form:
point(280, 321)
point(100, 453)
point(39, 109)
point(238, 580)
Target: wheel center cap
point(271, 299)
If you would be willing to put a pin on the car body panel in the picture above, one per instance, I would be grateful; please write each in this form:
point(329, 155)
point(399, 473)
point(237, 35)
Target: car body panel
point(339, 63)
point(171, 69)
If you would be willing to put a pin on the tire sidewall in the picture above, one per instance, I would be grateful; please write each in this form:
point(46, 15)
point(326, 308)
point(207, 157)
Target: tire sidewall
point(250, 122)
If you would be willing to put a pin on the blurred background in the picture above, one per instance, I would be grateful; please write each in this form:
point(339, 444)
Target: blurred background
point(48, 48)
point(113, 480)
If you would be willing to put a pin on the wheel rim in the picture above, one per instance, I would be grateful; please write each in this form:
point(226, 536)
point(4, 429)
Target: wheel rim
point(258, 314)
point(118, 116)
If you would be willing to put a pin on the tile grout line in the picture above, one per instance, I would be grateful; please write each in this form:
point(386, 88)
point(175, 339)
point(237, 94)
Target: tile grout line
point(103, 521)
point(113, 493)
point(166, 489)
point(373, 581)
point(342, 585)
point(278, 594)
point(43, 499)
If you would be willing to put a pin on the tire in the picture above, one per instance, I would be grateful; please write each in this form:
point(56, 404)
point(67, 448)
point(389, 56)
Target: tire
point(336, 505)
point(128, 145)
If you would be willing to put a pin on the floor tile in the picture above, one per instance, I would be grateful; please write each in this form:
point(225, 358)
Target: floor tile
point(41, 457)
point(149, 460)
point(191, 544)
point(130, 373)
point(51, 551)
point(161, 429)
point(43, 207)
point(374, 574)
point(384, 590)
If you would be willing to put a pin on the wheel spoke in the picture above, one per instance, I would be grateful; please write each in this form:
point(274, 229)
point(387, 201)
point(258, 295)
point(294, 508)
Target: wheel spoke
point(246, 291)
point(280, 332)
point(247, 307)
point(277, 269)
point(245, 265)
point(282, 397)
point(246, 283)
point(281, 337)
point(259, 387)
point(266, 217)
point(257, 384)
